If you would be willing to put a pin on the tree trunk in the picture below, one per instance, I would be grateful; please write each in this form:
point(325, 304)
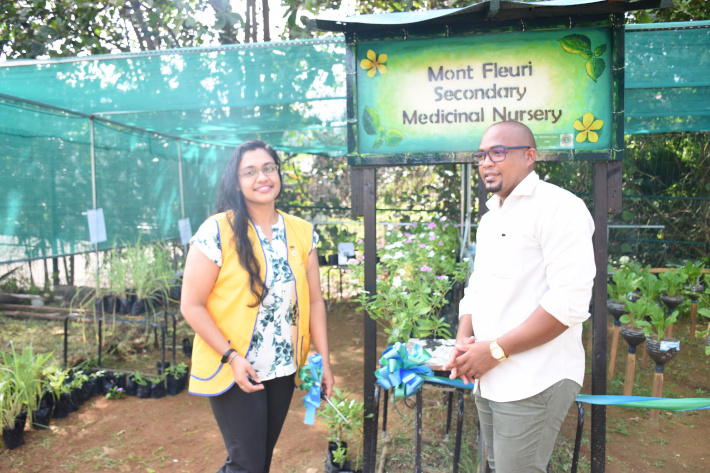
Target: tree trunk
point(265, 16)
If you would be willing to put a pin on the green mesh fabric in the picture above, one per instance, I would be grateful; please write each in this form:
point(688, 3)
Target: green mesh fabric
point(206, 101)
point(667, 77)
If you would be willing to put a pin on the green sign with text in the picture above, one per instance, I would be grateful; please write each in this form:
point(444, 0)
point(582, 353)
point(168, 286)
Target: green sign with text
point(440, 95)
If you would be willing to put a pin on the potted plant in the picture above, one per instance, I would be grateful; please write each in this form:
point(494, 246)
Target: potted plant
point(660, 347)
point(673, 282)
point(61, 391)
point(142, 387)
point(176, 378)
point(157, 386)
point(12, 414)
point(634, 335)
point(78, 392)
point(695, 280)
point(417, 269)
point(343, 431)
point(626, 282)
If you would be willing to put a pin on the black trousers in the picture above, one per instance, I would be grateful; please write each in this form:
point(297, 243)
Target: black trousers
point(251, 423)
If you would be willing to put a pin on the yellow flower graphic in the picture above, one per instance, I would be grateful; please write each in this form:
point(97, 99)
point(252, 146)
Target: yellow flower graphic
point(587, 128)
point(374, 63)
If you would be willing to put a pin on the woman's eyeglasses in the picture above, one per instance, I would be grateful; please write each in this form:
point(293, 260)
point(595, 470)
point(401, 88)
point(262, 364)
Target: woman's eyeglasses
point(251, 172)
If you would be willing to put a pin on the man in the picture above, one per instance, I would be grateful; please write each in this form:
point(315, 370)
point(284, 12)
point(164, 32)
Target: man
point(520, 321)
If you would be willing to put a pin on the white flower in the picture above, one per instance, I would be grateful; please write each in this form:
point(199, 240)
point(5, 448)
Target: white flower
point(396, 281)
point(402, 271)
point(362, 291)
point(436, 293)
point(387, 256)
point(353, 261)
point(431, 254)
point(399, 254)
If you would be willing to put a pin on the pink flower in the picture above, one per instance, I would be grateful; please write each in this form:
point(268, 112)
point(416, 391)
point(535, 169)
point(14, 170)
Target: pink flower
point(359, 242)
point(442, 277)
point(422, 245)
point(380, 246)
point(432, 237)
point(425, 268)
point(415, 224)
point(408, 235)
point(441, 243)
point(409, 241)
point(431, 225)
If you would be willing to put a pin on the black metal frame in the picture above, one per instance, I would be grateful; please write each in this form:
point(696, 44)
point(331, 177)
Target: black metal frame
point(100, 319)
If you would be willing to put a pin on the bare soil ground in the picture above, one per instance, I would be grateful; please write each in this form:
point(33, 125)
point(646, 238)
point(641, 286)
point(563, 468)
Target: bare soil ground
point(179, 434)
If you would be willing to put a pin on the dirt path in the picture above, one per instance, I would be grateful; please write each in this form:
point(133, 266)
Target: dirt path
point(179, 434)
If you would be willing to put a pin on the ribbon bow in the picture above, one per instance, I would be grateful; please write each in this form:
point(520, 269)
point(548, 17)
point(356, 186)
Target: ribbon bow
point(405, 372)
point(311, 375)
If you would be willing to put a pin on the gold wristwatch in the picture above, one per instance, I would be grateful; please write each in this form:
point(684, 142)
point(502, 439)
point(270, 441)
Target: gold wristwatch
point(496, 351)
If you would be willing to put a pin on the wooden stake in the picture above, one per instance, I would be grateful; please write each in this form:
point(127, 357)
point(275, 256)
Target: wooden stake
point(657, 391)
point(644, 358)
point(670, 331)
point(614, 344)
point(630, 369)
point(693, 315)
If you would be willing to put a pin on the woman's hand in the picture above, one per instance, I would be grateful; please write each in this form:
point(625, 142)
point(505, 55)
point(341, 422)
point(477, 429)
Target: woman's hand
point(328, 381)
point(242, 369)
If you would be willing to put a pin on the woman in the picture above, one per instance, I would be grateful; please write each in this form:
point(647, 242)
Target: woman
point(251, 291)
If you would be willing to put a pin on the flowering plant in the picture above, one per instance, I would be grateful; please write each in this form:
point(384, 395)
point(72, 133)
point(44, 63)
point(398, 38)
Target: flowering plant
point(417, 268)
point(115, 393)
point(344, 430)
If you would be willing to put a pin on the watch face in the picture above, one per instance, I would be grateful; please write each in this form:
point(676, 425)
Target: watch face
point(497, 353)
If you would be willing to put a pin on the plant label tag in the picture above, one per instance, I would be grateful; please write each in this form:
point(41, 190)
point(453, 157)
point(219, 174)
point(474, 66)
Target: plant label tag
point(185, 230)
point(97, 225)
point(666, 346)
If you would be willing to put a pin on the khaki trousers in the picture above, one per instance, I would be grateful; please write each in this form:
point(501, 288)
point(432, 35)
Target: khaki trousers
point(521, 435)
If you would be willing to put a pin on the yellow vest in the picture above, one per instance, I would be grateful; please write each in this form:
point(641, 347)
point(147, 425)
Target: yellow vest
point(228, 304)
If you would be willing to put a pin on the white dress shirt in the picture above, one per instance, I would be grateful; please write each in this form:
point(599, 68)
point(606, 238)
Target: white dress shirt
point(535, 249)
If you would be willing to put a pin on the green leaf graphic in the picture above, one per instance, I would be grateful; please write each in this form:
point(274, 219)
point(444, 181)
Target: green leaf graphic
point(586, 54)
point(378, 143)
point(595, 67)
point(600, 50)
point(382, 131)
point(575, 43)
point(393, 137)
point(370, 121)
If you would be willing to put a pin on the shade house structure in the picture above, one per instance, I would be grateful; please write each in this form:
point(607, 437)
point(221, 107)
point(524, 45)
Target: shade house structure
point(422, 87)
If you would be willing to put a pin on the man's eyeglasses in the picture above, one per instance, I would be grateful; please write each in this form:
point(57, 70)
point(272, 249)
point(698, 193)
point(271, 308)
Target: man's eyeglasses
point(251, 172)
point(497, 154)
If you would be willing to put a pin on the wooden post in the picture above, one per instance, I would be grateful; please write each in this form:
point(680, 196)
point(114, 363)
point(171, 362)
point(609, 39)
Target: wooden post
point(693, 315)
point(657, 391)
point(670, 331)
point(630, 373)
point(614, 346)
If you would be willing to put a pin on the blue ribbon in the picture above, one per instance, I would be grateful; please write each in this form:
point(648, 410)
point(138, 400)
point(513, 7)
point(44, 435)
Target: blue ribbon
point(405, 372)
point(686, 404)
point(311, 375)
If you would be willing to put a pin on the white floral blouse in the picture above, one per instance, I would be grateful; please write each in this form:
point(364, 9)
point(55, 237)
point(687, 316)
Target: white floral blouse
point(271, 351)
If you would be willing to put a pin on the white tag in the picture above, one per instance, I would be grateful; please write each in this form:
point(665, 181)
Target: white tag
point(97, 225)
point(185, 230)
point(666, 346)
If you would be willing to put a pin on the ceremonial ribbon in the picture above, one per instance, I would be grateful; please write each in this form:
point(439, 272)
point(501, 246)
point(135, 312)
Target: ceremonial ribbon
point(687, 404)
point(405, 372)
point(311, 375)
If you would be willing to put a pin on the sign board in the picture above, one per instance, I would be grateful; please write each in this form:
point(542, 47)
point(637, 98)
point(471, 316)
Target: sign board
point(185, 230)
point(440, 95)
point(97, 225)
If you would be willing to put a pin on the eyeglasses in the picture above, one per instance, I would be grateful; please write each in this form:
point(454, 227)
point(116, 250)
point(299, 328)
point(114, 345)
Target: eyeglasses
point(251, 172)
point(497, 154)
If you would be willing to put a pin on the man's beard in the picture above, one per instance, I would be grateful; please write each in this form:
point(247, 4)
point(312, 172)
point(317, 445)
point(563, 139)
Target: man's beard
point(493, 188)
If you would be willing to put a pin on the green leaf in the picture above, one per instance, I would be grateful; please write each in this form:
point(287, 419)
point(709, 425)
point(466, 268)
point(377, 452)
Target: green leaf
point(378, 143)
point(586, 54)
point(370, 121)
point(600, 50)
point(595, 67)
point(393, 137)
point(382, 131)
point(707, 350)
point(575, 43)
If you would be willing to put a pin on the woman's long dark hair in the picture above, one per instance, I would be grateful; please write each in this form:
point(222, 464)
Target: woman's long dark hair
point(231, 200)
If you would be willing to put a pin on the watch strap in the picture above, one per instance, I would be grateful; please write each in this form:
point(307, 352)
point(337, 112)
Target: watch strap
point(225, 357)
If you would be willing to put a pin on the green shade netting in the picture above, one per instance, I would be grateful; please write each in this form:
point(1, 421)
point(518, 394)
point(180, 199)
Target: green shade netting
point(667, 77)
point(206, 101)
